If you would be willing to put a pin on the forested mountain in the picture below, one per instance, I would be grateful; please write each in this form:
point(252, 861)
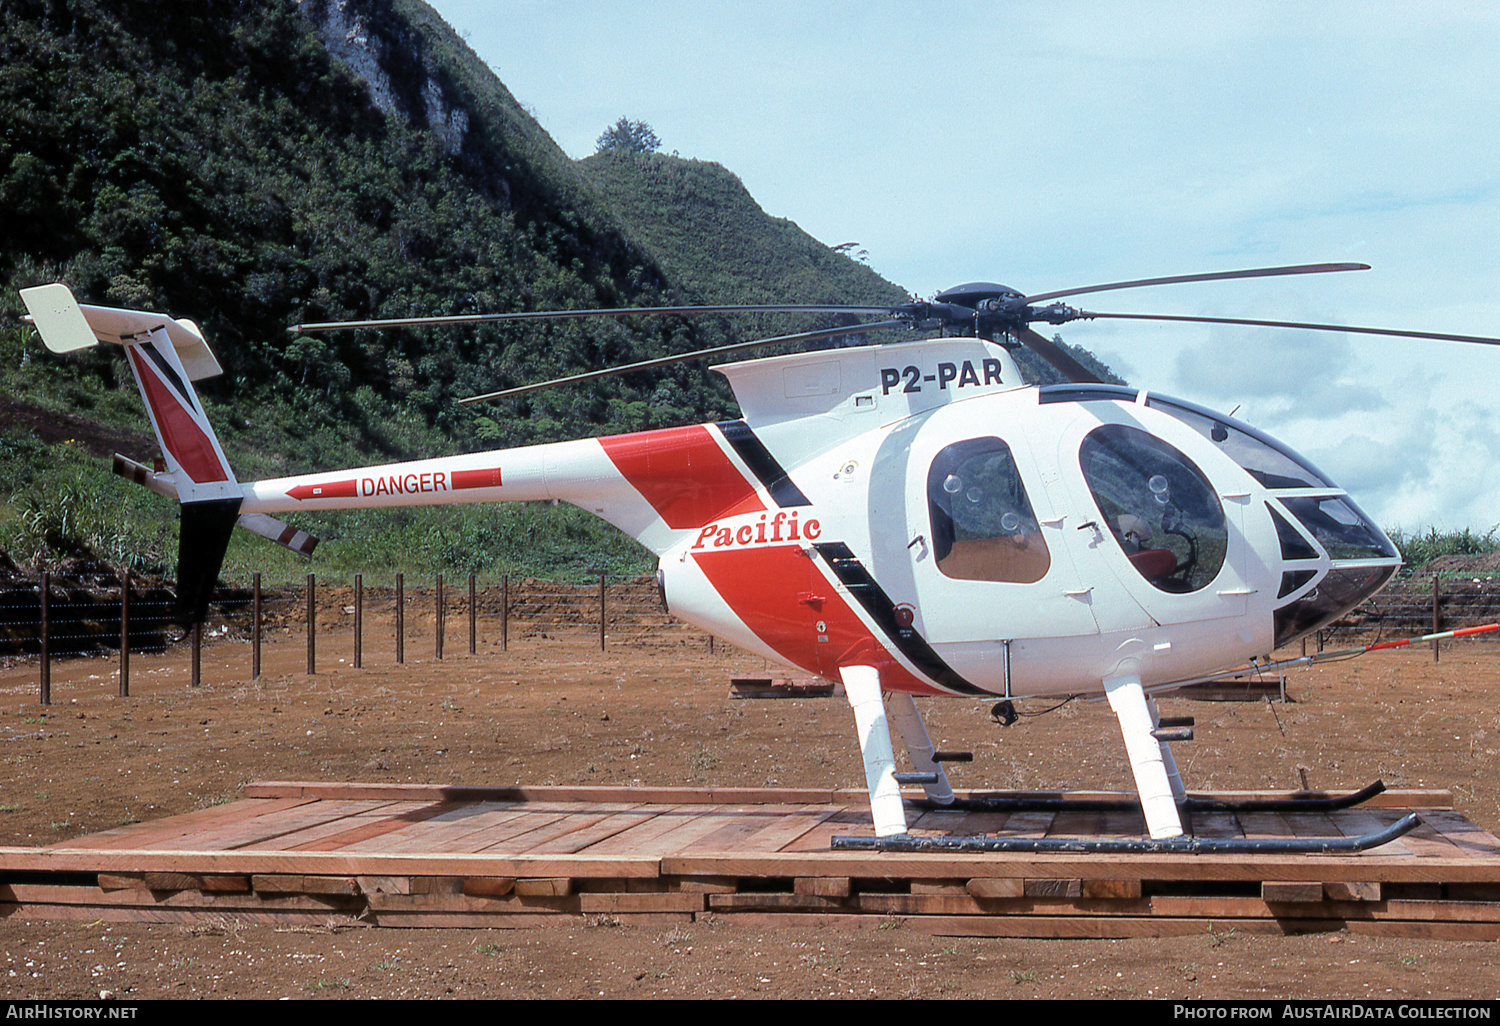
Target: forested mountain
point(257, 163)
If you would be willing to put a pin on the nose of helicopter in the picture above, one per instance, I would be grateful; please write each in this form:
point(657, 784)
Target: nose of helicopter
point(1360, 561)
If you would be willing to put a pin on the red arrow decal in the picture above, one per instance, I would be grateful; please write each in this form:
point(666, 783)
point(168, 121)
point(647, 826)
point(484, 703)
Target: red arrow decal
point(328, 490)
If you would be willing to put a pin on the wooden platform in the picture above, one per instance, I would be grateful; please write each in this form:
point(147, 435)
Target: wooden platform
point(418, 855)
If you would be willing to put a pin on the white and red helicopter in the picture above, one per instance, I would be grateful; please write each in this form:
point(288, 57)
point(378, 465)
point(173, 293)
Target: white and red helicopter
point(908, 519)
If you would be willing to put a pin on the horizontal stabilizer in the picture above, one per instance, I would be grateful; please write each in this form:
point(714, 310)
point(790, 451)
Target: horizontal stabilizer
point(141, 474)
point(256, 523)
point(282, 534)
point(65, 326)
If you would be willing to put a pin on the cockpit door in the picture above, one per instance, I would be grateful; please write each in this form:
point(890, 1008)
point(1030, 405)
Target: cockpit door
point(1165, 512)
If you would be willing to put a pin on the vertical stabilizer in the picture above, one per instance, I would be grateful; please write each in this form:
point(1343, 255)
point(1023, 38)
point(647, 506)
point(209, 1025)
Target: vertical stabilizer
point(166, 356)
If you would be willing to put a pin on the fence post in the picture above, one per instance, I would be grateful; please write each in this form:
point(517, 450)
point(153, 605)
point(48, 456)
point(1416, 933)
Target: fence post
point(1436, 617)
point(438, 641)
point(504, 611)
point(359, 620)
point(46, 689)
point(255, 626)
point(195, 673)
point(400, 618)
point(125, 634)
point(473, 638)
point(601, 612)
point(312, 625)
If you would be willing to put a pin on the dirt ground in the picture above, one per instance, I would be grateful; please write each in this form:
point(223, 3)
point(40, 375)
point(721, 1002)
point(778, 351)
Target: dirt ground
point(562, 712)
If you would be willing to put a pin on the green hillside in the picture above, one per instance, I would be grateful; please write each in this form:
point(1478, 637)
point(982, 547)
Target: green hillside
point(702, 227)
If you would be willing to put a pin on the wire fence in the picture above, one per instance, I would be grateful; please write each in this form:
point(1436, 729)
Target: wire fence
point(390, 617)
point(394, 617)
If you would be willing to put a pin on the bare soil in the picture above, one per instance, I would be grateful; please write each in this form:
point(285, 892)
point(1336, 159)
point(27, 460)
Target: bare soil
point(559, 711)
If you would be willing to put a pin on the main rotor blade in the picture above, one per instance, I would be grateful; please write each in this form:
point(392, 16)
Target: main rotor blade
point(805, 336)
point(1254, 272)
point(1053, 354)
point(552, 315)
point(1440, 336)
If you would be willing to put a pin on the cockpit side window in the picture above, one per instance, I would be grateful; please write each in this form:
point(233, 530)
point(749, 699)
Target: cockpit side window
point(1159, 507)
point(983, 528)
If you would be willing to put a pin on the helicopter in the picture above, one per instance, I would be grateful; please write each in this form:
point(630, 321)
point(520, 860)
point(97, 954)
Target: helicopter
point(906, 519)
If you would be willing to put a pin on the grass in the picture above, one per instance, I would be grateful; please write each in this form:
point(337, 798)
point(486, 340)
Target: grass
point(1420, 548)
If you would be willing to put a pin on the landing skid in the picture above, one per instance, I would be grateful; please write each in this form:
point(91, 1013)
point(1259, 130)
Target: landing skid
point(1139, 845)
point(1193, 803)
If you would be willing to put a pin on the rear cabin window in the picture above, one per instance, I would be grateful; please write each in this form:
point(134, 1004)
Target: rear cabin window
point(983, 528)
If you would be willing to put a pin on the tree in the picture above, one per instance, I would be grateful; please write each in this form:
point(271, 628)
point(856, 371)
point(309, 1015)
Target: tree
point(626, 136)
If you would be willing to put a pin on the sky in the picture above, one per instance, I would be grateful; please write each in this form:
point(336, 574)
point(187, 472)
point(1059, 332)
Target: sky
point(1057, 144)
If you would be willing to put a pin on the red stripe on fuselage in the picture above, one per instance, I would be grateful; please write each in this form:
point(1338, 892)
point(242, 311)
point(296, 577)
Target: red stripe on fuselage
point(783, 597)
point(180, 433)
point(684, 474)
point(485, 477)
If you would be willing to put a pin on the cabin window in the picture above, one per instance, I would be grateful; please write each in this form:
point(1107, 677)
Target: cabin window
point(1158, 505)
point(983, 528)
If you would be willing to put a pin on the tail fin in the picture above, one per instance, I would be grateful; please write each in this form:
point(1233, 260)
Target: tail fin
point(166, 356)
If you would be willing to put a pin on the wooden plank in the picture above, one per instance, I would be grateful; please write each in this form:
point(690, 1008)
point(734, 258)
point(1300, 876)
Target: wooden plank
point(439, 828)
point(556, 838)
point(1265, 824)
point(688, 827)
point(776, 836)
point(496, 838)
point(1353, 891)
point(261, 828)
point(748, 822)
point(939, 887)
point(489, 887)
point(160, 833)
point(1424, 842)
point(377, 864)
point(591, 835)
point(1217, 825)
point(844, 822)
point(1026, 824)
point(822, 886)
point(1359, 822)
point(1272, 891)
point(1087, 823)
point(963, 904)
point(516, 921)
point(1322, 868)
point(616, 903)
point(546, 887)
point(377, 822)
point(762, 900)
point(1039, 927)
point(1010, 887)
point(1111, 889)
point(304, 884)
point(1472, 840)
point(552, 905)
point(707, 795)
point(211, 902)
